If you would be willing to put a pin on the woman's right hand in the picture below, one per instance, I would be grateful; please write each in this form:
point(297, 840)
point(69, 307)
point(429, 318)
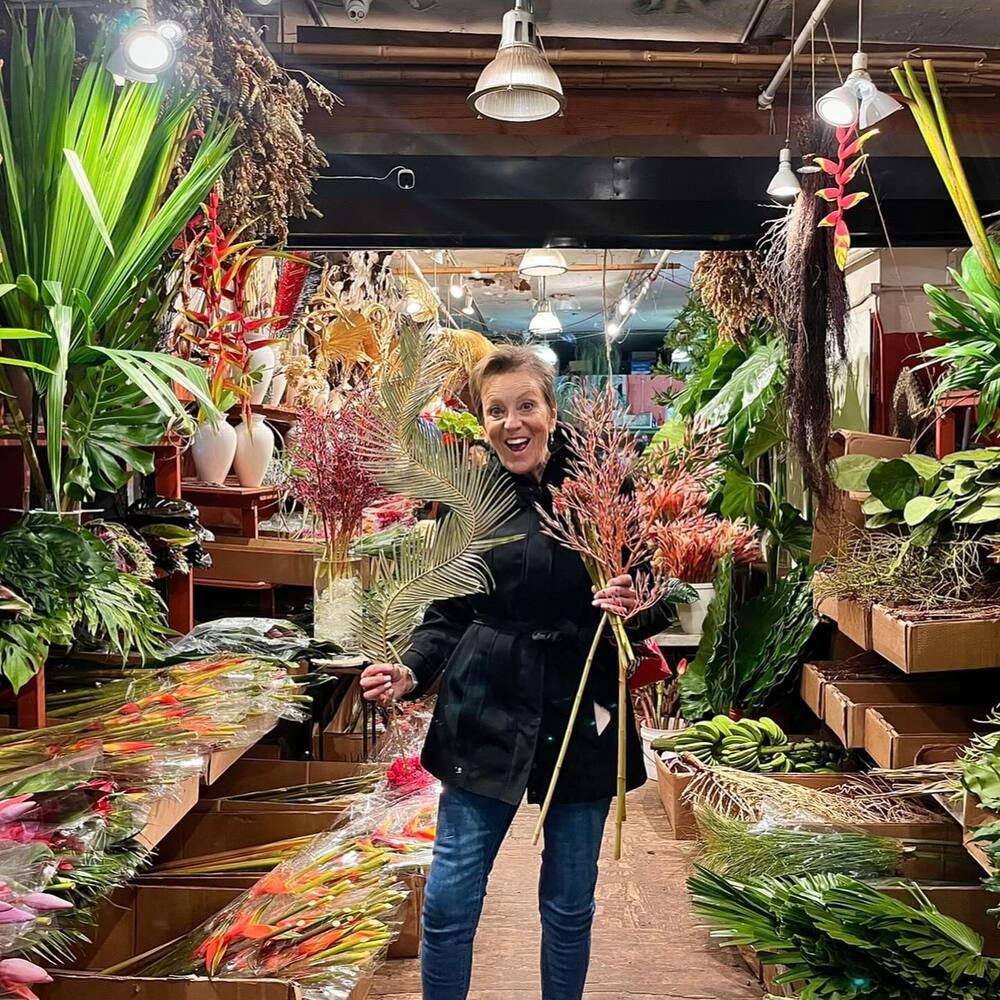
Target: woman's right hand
point(385, 683)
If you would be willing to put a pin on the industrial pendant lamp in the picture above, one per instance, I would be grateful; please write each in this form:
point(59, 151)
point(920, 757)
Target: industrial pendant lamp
point(544, 262)
point(545, 323)
point(784, 184)
point(858, 101)
point(519, 85)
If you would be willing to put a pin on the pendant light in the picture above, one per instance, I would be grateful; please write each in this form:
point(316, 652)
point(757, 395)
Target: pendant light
point(457, 289)
point(544, 262)
point(857, 101)
point(784, 184)
point(469, 309)
point(545, 323)
point(519, 85)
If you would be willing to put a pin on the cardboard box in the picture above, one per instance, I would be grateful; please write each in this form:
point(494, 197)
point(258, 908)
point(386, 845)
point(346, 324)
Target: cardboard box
point(217, 763)
point(343, 738)
point(898, 735)
point(855, 621)
point(88, 985)
point(167, 812)
point(281, 561)
point(847, 702)
point(929, 646)
point(819, 673)
point(975, 814)
point(210, 832)
point(836, 522)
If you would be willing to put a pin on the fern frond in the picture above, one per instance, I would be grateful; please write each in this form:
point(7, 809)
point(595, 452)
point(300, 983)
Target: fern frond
point(475, 500)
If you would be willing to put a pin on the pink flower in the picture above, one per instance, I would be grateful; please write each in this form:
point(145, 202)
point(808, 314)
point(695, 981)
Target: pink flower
point(11, 809)
point(44, 901)
point(20, 970)
point(12, 915)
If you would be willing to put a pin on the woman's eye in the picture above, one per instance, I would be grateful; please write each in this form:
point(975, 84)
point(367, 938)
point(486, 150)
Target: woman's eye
point(496, 412)
point(527, 405)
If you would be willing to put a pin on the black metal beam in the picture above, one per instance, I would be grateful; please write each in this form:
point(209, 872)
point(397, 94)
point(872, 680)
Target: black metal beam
point(656, 202)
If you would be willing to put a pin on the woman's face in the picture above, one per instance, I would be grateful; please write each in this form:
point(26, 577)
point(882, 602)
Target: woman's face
point(518, 421)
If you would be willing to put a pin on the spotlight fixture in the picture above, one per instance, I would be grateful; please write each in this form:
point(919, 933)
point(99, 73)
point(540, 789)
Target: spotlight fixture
point(784, 185)
point(173, 32)
point(357, 10)
point(121, 71)
point(613, 329)
point(469, 308)
point(258, 6)
point(146, 50)
point(545, 262)
point(519, 85)
point(457, 289)
point(858, 100)
point(624, 306)
point(547, 354)
point(414, 306)
point(545, 323)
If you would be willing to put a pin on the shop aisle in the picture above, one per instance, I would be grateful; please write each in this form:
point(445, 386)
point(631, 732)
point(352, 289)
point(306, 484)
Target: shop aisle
point(647, 945)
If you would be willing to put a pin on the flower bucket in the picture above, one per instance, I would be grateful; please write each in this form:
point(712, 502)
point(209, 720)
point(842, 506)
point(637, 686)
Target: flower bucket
point(648, 754)
point(337, 601)
point(692, 616)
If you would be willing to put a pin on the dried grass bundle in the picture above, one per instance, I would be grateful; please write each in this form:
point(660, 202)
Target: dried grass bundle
point(734, 286)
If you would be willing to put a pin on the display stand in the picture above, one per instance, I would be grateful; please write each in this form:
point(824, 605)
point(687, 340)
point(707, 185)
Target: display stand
point(168, 482)
point(232, 509)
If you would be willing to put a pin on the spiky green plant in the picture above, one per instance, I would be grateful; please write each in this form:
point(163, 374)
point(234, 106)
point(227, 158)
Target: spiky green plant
point(475, 498)
point(88, 214)
point(842, 939)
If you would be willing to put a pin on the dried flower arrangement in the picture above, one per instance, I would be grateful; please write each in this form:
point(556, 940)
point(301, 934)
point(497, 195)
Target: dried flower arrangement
point(271, 176)
point(734, 287)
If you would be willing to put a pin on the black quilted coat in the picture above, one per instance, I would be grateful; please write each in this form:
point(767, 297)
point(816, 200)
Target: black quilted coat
point(511, 662)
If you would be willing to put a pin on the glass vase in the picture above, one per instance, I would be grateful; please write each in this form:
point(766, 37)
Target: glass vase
point(337, 601)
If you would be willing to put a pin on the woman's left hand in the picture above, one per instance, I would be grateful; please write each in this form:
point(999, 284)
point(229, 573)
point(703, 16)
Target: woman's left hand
point(618, 597)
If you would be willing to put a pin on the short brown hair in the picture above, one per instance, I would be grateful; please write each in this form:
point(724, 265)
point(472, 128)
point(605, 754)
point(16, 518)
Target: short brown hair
point(512, 358)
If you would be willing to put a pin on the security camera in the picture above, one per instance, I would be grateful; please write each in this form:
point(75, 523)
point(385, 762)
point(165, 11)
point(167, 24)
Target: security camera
point(357, 10)
point(406, 179)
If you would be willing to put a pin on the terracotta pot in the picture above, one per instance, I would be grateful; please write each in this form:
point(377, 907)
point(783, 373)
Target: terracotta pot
point(254, 451)
point(213, 451)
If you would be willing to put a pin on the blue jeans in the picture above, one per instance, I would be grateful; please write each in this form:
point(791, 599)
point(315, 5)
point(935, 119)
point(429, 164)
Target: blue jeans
point(470, 831)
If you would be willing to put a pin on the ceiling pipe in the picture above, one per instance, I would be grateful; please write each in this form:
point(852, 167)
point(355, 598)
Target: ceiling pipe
point(766, 99)
point(319, 18)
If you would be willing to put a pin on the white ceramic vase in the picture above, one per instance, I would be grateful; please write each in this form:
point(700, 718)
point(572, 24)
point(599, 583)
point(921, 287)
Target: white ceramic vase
point(254, 451)
point(692, 616)
point(213, 450)
point(262, 365)
point(279, 385)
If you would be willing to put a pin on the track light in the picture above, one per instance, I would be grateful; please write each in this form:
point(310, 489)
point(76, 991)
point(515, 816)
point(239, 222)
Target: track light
point(173, 32)
point(457, 289)
point(357, 10)
point(545, 262)
point(839, 107)
point(414, 306)
point(858, 101)
point(519, 85)
point(613, 329)
point(784, 185)
point(469, 308)
point(545, 323)
point(146, 50)
point(624, 306)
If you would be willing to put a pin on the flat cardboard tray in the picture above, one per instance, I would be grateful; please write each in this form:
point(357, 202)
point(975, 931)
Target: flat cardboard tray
point(819, 673)
point(854, 620)
point(898, 735)
point(167, 812)
point(932, 646)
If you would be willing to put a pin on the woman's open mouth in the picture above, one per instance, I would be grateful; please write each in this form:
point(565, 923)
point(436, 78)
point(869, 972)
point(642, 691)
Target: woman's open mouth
point(517, 445)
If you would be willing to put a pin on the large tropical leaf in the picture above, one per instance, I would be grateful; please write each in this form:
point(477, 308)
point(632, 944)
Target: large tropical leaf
point(476, 499)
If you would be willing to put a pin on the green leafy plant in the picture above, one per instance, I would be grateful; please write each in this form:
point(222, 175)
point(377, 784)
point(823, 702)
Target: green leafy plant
point(461, 426)
point(75, 593)
point(841, 939)
point(925, 497)
point(90, 211)
point(748, 653)
point(695, 331)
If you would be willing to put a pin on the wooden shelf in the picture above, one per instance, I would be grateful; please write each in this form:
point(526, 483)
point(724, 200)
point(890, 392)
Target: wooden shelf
point(674, 637)
point(979, 856)
point(231, 509)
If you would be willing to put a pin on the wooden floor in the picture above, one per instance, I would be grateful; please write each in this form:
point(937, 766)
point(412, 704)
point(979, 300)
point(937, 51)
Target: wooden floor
point(647, 945)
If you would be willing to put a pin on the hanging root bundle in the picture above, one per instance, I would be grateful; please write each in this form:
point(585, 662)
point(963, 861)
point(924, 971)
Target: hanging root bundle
point(811, 311)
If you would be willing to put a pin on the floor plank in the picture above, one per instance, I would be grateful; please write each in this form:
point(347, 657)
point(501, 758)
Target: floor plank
point(647, 944)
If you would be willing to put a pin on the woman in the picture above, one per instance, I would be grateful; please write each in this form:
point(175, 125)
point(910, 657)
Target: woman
point(510, 663)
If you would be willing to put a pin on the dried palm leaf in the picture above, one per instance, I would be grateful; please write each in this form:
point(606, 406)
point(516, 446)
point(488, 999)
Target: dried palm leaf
point(421, 304)
point(404, 458)
point(463, 350)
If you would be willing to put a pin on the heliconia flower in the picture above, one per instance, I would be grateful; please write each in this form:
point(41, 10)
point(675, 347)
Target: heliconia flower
point(12, 809)
point(130, 709)
point(274, 884)
point(20, 970)
point(44, 901)
point(13, 915)
point(169, 699)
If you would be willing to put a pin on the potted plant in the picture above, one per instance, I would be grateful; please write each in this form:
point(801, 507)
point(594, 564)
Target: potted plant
point(330, 478)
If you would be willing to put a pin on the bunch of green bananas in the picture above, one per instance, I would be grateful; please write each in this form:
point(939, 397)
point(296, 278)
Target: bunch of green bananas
point(815, 757)
point(748, 745)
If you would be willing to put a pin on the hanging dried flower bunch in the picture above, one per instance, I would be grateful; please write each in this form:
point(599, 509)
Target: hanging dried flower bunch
point(270, 178)
point(811, 311)
point(733, 285)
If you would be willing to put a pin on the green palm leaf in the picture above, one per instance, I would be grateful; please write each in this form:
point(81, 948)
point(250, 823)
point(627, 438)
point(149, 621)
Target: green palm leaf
point(476, 498)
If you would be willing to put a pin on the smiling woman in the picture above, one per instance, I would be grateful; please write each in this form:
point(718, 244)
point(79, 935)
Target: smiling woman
point(514, 392)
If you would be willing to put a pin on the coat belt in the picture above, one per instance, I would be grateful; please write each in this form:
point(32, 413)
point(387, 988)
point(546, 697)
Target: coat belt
point(565, 631)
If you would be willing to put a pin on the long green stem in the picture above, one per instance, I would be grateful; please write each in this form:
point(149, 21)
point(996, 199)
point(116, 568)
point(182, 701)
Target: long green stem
point(574, 712)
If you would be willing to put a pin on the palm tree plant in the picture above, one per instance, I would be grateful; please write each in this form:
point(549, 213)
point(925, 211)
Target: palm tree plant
point(90, 208)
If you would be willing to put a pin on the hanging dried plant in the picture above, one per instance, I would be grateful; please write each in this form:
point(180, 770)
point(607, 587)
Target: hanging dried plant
point(270, 178)
point(733, 286)
point(462, 351)
point(810, 312)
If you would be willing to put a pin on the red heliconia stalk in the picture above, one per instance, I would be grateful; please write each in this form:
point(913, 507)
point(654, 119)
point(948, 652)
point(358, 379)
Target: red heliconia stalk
point(843, 170)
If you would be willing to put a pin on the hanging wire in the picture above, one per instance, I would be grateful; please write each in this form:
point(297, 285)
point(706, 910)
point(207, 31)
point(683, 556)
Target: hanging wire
point(812, 65)
point(791, 78)
point(861, 14)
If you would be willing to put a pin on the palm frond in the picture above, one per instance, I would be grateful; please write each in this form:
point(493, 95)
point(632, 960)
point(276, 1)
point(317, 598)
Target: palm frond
point(476, 500)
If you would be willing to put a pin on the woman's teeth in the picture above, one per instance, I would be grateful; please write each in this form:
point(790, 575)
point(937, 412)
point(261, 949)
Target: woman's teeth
point(517, 444)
